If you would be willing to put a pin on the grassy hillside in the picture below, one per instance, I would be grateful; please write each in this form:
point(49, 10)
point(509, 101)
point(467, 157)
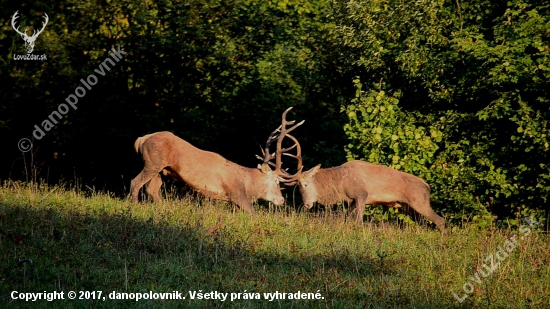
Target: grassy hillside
point(83, 241)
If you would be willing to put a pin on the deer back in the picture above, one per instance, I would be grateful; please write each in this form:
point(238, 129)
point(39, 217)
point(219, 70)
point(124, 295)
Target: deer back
point(330, 186)
point(382, 183)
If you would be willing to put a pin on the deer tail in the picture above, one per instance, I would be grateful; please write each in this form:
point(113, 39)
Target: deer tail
point(136, 144)
point(139, 141)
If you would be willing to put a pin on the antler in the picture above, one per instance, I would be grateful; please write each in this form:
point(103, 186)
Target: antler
point(13, 25)
point(34, 33)
point(291, 179)
point(43, 26)
point(280, 152)
point(279, 134)
point(267, 157)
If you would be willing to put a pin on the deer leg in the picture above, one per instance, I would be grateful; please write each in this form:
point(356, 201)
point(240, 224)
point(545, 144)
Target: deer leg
point(153, 188)
point(427, 211)
point(243, 203)
point(138, 182)
point(241, 200)
point(246, 206)
point(360, 208)
point(237, 195)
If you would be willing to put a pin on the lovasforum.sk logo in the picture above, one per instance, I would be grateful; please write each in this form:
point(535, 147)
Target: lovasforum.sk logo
point(29, 40)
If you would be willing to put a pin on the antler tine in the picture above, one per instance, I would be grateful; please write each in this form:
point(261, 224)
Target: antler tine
point(35, 32)
point(279, 153)
point(291, 122)
point(45, 22)
point(43, 26)
point(278, 135)
point(295, 126)
point(268, 162)
point(298, 149)
point(13, 24)
point(298, 156)
point(266, 156)
point(287, 149)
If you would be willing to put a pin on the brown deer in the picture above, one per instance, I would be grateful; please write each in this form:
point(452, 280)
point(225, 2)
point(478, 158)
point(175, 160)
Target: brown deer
point(363, 183)
point(206, 172)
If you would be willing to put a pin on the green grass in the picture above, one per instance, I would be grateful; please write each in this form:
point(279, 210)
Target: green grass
point(94, 242)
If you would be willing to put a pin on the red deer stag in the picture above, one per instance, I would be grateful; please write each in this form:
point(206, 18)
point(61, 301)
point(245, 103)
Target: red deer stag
point(363, 183)
point(206, 172)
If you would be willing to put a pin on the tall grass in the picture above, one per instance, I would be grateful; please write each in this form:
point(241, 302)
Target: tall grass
point(58, 239)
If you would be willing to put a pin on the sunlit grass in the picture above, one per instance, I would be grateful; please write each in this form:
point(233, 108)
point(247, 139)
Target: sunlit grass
point(84, 240)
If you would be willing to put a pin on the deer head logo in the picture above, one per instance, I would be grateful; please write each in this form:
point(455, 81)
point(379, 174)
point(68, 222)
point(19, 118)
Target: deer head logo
point(29, 40)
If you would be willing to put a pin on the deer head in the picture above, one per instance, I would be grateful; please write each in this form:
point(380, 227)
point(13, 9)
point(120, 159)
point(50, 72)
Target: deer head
point(29, 40)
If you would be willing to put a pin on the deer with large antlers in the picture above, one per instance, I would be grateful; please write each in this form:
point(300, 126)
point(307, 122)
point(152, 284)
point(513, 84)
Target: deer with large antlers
point(206, 172)
point(29, 40)
point(362, 182)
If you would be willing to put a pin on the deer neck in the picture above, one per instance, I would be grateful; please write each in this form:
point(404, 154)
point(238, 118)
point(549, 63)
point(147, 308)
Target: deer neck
point(328, 184)
point(253, 180)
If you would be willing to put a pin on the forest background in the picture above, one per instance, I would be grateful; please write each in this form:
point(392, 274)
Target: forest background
point(455, 92)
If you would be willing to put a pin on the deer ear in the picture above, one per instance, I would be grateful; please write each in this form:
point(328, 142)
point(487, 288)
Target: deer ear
point(315, 169)
point(264, 168)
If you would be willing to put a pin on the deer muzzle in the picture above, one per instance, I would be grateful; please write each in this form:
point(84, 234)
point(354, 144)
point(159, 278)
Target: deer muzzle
point(278, 201)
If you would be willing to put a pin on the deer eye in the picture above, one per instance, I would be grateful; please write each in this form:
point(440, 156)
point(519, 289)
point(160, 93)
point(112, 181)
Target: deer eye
point(304, 184)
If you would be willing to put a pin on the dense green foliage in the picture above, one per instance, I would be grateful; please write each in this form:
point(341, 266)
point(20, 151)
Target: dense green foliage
point(457, 93)
point(454, 92)
point(210, 71)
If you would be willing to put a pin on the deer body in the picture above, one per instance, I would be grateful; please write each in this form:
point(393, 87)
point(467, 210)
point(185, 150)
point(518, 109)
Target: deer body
point(365, 183)
point(207, 172)
point(357, 181)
